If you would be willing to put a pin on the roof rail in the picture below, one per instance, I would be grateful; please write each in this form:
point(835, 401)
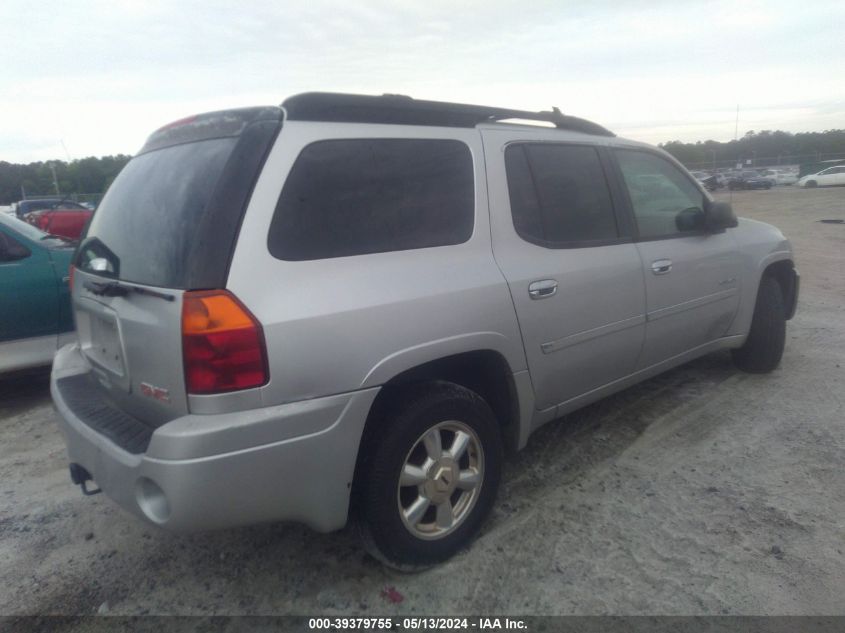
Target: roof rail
point(403, 110)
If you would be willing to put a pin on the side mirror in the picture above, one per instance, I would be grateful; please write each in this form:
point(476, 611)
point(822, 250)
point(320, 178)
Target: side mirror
point(719, 216)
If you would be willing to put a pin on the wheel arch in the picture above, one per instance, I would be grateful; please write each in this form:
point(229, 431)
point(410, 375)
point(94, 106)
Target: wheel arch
point(783, 271)
point(485, 371)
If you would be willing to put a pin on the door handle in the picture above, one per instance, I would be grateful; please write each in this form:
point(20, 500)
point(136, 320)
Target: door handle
point(542, 289)
point(661, 266)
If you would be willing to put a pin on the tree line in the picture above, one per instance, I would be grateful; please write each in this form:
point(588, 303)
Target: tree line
point(90, 175)
point(764, 149)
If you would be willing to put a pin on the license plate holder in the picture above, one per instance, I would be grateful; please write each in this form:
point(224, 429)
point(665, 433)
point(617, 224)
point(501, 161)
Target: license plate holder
point(105, 348)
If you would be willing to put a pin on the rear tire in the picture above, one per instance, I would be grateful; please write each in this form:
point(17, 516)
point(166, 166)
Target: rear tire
point(763, 348)
point(401, 475)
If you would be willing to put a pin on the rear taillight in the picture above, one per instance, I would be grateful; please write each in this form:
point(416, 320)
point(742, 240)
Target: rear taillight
point(70, 270)
point(222, 344)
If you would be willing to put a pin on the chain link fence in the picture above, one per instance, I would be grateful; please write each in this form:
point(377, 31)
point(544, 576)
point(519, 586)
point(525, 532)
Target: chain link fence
point(803, 163)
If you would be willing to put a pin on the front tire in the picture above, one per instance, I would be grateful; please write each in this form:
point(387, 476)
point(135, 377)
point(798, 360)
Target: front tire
point(811, 184)
point(431, 475)
point(763, 348)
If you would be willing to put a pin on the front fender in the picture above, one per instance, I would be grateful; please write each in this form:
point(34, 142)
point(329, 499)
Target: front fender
point(742, 322)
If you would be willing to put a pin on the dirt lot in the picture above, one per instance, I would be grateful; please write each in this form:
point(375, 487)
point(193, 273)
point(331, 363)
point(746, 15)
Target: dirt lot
point(703, 491)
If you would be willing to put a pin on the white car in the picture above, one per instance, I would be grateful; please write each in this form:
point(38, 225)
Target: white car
point(721, 179)
point(778, 177)
point(828, 177)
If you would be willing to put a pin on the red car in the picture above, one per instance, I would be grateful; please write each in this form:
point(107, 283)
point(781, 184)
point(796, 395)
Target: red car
point(66, 219)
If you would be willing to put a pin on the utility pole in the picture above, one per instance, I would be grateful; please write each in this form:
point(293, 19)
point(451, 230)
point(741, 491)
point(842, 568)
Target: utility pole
point(736, 125)
point(55, 180)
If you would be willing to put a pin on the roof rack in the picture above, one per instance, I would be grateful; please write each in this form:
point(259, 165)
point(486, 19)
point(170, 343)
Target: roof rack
point(403, 110)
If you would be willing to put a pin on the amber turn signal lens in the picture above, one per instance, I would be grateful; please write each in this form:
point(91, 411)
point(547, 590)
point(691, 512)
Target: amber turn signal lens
point(222, 344)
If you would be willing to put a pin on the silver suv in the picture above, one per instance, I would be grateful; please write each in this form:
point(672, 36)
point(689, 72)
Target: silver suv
point(353, 305)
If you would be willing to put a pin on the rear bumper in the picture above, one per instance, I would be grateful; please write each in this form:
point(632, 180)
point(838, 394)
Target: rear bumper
point(293, 462)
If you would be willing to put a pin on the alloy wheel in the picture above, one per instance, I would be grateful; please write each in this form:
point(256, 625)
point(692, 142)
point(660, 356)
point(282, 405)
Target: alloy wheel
point(440, 480)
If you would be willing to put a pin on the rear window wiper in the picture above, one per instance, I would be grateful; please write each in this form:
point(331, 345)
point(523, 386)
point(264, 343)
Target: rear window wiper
point(114, 289)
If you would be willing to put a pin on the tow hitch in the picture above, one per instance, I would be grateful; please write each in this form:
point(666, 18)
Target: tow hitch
point(79, 476)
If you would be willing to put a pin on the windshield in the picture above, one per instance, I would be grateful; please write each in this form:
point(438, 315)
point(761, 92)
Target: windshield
point(144, 229)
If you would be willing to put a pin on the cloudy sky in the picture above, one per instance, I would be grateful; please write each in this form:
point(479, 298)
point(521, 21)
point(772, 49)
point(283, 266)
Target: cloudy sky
point(94, 77)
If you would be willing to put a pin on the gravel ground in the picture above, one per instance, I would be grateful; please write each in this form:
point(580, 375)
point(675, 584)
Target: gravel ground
point(702, 491)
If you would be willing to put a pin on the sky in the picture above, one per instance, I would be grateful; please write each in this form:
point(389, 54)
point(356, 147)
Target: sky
point(95, 77)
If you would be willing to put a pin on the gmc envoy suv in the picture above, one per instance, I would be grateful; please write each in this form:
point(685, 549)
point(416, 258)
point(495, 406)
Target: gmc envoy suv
point(354, 305)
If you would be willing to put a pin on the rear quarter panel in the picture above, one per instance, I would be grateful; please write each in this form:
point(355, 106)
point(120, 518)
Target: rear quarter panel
point(349, 323)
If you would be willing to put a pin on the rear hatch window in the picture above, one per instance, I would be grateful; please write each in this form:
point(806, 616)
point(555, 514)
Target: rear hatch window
point(145, 227)
point(171, 216)
point(168, 223)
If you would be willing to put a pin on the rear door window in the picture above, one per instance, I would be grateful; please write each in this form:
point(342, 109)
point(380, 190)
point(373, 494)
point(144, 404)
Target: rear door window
point(359, 196)
point(559, 195)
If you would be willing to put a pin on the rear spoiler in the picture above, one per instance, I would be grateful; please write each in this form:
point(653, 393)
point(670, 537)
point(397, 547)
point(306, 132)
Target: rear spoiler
point(221, 124)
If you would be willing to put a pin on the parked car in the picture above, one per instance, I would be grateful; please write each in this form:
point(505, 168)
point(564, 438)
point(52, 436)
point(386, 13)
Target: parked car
point(62, 218)
point(35, 316)
point(375, 299)
point(708, 181)
point(748, 180)
point(721, 179)
point(831, 176)
point(779, 177)
point(33, 204)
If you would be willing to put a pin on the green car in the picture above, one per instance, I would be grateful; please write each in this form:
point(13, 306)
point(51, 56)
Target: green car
point(35, 317)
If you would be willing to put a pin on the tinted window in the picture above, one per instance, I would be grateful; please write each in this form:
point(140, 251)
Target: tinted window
point(146, 225)
point(559, 194)
point(28, 206)
point(358, 196)
point(664, 199)
point(10, 249)
point(69, 205)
